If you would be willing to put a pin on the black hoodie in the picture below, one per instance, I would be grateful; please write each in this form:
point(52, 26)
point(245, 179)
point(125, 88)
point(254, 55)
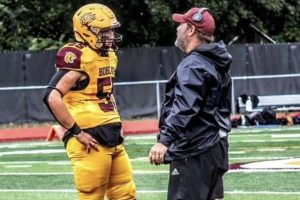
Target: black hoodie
point(197, 102)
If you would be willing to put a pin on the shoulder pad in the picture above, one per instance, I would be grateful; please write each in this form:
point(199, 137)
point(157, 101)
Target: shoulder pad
point(68, 57)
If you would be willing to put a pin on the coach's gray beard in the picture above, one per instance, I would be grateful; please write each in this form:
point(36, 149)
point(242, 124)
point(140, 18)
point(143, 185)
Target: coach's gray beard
point(180, 44)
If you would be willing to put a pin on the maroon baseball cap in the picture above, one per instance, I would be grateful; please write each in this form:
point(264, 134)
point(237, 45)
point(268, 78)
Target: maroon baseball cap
point(201, 18)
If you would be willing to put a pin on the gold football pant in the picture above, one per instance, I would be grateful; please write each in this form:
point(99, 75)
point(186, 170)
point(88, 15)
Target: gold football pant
point(104, 173)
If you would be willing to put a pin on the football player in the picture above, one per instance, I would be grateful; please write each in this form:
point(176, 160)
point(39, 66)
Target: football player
point(80, 97)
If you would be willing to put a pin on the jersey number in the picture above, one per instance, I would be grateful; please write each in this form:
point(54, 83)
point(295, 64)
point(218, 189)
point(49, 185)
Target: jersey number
point(101, 94)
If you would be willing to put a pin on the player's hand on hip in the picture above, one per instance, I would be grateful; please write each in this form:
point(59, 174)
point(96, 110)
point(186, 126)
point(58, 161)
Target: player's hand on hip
point(88, 141)
point(157, 153)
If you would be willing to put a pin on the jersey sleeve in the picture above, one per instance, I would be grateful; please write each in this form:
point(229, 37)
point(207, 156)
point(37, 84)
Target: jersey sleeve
point(69, 58)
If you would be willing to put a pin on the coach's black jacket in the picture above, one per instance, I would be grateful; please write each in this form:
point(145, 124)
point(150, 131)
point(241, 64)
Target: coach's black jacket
point(197, 102)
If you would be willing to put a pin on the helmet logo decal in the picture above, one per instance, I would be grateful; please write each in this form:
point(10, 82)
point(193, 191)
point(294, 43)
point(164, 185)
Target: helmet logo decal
point(87, 18)
point(69, 57)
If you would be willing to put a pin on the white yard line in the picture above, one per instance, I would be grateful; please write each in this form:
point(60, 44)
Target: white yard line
point(35, 173)
point(139, 159)
point(242, 140)
point(18, 166)
point(256, 149)
point(140, 143)
point(59, 162)
point(292, 135)
point(137, 172)
point(146, 191)
point(142, 172)
point(145, 172)
point(16, 145)
point(49, 151)
point(272, 137)
point(262, 192)
point(262, 170)
point(141, 137)
point(237, 152)
point(44, 151)
point(262, 140)
point(38, 190)
point(271, 149)
point(259, 158)
point(65, 162)
point(264, 129)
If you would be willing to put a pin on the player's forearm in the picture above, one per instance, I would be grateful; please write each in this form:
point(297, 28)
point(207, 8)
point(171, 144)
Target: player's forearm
point(60, 111)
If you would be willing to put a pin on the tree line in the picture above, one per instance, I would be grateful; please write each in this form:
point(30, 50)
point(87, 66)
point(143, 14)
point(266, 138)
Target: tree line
point(39, 24)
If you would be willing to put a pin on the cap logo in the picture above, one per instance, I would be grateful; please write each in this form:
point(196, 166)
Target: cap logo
point(69, 57)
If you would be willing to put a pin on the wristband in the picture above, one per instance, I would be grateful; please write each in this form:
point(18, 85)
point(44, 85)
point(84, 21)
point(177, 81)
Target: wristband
point(75, 129)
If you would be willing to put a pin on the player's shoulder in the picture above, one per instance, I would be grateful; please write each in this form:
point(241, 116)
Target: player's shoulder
point(72, 55)
point(112, 55)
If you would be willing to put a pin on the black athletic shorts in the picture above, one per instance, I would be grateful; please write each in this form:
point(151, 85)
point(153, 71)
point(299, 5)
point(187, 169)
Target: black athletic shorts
point(199, 177)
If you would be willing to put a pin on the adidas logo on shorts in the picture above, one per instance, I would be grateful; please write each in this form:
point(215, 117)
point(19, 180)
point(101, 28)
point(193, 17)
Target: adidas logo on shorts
point(175, 172)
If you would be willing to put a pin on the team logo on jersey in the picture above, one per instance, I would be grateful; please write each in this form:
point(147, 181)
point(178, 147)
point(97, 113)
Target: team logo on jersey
point(69, 57)
point(87, 18)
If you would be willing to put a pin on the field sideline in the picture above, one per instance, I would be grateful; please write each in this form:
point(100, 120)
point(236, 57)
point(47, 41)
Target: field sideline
point(40, 170)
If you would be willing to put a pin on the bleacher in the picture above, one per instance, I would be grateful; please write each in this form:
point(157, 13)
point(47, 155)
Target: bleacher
point(280, 103)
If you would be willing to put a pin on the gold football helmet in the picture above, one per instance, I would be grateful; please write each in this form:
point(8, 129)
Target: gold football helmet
point(93, 23)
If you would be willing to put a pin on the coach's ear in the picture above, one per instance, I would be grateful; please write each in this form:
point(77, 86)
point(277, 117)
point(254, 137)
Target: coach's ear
point(191, 31)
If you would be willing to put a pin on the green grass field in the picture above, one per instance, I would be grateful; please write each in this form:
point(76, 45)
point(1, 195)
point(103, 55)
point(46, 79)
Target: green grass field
point(41, 171)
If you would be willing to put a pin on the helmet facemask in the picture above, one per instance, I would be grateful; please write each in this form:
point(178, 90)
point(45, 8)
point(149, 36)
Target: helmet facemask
point(105, 41)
